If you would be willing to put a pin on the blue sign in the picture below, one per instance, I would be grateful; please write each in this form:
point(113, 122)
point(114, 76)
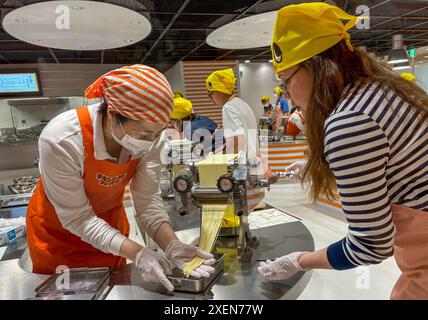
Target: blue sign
point(18, 82)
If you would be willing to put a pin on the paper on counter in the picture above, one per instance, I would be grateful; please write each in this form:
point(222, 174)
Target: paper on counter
point(269, 217)
point(2, 251)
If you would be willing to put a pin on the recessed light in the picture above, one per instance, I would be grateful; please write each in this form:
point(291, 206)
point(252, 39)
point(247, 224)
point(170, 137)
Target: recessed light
point(78, 8)
point(397, 61)
point(128, 41)
point(36, 40)
point(21, 20)
point(217, 40)
point(247, 61)
point(135, 22)
point(83, 47)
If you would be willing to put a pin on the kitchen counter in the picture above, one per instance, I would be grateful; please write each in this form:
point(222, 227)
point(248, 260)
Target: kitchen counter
point(240, 280)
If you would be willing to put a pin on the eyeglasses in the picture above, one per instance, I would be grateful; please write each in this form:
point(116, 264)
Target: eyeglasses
point(143, 134)
point(286, 82)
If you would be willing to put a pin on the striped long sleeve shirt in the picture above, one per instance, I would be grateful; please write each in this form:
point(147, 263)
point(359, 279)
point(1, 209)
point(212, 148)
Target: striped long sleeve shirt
point(376, 145)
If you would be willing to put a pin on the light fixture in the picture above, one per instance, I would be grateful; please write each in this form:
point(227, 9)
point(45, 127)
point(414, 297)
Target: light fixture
point(21, 20)
point(247, 61)
point(397, 54)
point(250, 32)
point(129, 41)
point(402, 66)
point(270, 61)
point(41, 18)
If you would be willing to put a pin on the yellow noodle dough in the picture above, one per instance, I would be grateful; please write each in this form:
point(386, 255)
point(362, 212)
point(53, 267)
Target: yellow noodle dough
point(212, 217)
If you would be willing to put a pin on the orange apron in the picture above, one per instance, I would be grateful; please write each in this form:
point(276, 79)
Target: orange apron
point(411, 253)
point(291, 129)
point(49, 244)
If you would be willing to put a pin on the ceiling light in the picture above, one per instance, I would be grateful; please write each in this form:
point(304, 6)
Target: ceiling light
point(217, 40)
point(247, 61)
point(401, 66)
point(21, 20)
point(129, 41)
point(40, 18)
point(398, 56)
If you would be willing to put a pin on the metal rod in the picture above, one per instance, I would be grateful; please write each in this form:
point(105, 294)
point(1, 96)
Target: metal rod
point(53, 55)
point(183, 6)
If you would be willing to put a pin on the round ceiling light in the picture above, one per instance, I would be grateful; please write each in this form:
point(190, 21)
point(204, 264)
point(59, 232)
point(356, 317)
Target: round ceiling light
point(77, 25)
point(251, 32)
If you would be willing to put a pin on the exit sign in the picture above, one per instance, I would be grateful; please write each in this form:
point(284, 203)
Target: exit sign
point(412, 53)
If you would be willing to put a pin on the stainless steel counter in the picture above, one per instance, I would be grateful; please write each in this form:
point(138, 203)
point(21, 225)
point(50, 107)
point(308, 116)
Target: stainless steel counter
point(17, 284)
point(240, 280)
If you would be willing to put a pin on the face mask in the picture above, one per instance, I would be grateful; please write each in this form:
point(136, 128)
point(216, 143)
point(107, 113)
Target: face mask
point(133, 145)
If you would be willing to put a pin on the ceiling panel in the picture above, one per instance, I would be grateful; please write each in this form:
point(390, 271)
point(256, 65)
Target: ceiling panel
point(182, 36)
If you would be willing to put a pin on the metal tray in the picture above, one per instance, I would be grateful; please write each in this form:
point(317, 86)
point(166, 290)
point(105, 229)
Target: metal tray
point(90, 281)
point(194, 285)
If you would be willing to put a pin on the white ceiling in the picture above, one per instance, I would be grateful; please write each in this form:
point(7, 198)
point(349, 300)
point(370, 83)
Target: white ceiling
point(45, 24)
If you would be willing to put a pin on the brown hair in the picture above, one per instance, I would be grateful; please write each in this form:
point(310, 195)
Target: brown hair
point(332, 71)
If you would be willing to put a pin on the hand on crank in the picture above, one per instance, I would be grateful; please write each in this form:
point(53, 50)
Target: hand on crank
point(296, 169)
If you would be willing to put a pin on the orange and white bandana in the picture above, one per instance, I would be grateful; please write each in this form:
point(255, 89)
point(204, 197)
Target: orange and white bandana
point(137, 92)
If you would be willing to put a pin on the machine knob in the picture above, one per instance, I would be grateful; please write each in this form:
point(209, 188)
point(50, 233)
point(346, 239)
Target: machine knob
point(182, 184)
point(226, 183)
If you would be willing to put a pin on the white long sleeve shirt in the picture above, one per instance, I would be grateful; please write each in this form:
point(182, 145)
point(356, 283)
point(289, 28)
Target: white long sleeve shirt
point(61, 167)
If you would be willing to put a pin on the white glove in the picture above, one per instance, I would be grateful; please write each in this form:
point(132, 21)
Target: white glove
point(154, 267)
point(297, 169)
point(180, 254)
point(281, 268)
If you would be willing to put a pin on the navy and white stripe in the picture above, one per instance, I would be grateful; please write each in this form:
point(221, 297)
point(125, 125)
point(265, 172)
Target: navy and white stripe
point(377, 147)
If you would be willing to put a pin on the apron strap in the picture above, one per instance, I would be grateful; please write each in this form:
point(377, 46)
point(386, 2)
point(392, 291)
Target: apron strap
point(87, 130)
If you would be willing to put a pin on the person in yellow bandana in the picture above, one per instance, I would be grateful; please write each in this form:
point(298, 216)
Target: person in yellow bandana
point(239, 122)
point(192, 126)
point(366, 127)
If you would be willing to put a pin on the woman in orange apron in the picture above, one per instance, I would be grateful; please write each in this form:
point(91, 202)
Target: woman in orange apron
point(125, 129)
point(368, 134)
point(292, 128)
